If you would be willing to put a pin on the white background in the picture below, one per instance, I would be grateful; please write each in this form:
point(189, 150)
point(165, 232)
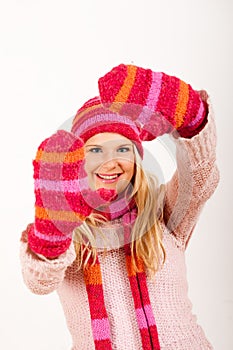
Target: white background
point(52, 53)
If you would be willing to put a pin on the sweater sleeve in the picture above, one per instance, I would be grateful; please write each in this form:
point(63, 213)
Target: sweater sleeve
point(194, 181)
point(41, 275)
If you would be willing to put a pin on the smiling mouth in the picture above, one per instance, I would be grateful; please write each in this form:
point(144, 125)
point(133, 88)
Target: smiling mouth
point(108, 176)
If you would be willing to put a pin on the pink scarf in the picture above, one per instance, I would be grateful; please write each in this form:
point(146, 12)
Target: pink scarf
point(101, 328)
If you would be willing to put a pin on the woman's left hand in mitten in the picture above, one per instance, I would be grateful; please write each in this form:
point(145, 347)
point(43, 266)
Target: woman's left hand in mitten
point(158, 102)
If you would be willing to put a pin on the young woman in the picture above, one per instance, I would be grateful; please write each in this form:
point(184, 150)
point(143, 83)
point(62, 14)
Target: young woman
point(106, 237)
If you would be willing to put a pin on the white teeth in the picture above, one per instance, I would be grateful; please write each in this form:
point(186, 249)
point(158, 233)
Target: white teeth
point(108, 177)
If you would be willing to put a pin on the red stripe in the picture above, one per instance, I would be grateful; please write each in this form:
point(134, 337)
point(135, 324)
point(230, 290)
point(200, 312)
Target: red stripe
point(45, 198)
point(104, 344)
point(92, 102)
point(143, 287)
point(56, 171)
point(141, 87)
point(47, 226)
point(96, 301)
point(115, 78)
point(135, 292)
point(146, 341)
point(77, 203)
point(138, 94)
point(73, 202)
point(61, 141)
point(104, 126)
point(168, 97)
point(71, 171)
point(127, 247)
point(55, 227)
point(155, 338)
point(76, 144)
point(146, 301)
point(48, 249)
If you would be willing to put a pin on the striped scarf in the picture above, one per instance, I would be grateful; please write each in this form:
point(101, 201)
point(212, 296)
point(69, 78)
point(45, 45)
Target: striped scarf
point(101, 328)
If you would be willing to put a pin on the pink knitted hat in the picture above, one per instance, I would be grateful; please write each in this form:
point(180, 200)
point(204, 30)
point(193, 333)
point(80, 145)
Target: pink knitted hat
point(93, 118)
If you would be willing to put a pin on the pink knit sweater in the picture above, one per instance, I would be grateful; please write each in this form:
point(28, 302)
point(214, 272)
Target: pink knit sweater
point(198, 177)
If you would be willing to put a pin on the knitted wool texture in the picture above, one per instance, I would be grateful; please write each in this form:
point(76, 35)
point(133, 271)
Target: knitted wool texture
point(138, 284)
point(59, 204)
point(92, 118)
point(157, 95)
point(158, 101)
point(99, 318)
point(60, 207)
point(177, 325)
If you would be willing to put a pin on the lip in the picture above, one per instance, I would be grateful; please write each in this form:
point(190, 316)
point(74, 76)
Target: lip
point(108, 178)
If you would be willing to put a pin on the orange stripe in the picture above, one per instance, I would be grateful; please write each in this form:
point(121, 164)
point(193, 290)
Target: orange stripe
point(72, 157)
point(182, 103)
point(60, 157)
point(92, 274)
point(129, 266)
point(39, 155)
point(140, 265)
point(85, 111)
point(124, 92)
point(58, 215)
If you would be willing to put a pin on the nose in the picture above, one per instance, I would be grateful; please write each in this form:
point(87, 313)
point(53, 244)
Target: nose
point(109, 164)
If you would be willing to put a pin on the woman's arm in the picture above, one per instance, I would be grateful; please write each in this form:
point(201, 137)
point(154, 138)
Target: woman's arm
point(42, 275)
point(194, 181)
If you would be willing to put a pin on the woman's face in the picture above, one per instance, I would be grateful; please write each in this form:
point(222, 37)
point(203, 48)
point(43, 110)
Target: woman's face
point(110, 161)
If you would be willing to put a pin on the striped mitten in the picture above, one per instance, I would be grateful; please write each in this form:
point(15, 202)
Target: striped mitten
point(159, 103)
point(59, 186)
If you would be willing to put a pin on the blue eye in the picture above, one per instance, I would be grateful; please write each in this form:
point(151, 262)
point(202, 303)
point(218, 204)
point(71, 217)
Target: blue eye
point(123, 149)
point(95, 150)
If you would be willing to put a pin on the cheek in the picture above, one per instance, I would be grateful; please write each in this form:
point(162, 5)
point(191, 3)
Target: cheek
point(91, 164)
point(129, 168)
point(90, 167)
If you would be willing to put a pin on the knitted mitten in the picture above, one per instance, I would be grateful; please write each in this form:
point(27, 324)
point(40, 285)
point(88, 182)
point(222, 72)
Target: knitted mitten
point(60, 205)
point(158, 102)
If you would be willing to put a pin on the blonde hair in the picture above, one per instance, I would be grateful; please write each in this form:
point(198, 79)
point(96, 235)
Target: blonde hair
point(146, 234)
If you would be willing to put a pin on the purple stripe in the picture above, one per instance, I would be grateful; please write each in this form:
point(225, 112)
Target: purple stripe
point(61, 185)
point(51, 238)
point(118, 206)
point(141, 318)
point(198, 117)
point(145, 115)
point(103, 118)
point(149, 314)
point(152, 98)
point(101, 329)
point(154, 92)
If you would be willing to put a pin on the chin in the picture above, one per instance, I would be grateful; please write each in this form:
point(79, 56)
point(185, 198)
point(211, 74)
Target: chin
point(118, 189)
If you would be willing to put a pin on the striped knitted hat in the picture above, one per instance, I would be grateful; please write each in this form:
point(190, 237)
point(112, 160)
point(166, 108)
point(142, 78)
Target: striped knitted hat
point(158, 94)
point(93, 118)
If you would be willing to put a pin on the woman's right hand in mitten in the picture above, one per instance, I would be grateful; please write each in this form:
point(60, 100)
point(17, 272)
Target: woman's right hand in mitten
point(60, 205)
